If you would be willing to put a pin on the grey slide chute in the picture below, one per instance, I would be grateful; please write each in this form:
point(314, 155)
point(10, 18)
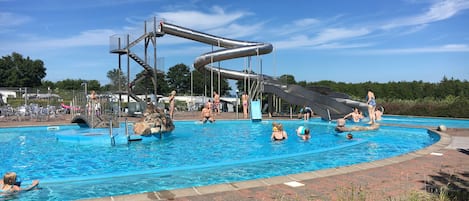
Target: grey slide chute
point(325, 106)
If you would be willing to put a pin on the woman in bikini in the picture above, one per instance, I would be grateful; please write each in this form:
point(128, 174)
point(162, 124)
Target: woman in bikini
point(371, 106)
point(245, 99)
point(278, 134)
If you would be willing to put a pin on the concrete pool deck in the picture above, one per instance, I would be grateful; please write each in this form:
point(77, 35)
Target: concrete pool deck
point(426, 170)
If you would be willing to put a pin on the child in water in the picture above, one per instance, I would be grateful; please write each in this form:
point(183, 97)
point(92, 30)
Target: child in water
point(303, 133)
point(349, 136)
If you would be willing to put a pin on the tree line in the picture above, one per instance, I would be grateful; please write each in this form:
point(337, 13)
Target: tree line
point(17, 71)
point(403, 90)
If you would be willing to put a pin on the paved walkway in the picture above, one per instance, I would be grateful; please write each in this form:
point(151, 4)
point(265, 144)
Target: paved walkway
point(444, 164)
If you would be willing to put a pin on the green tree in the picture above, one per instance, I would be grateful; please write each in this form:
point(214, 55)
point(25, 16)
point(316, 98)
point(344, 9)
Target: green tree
point(287, 79)
point(145, 86)
point(116, 76)
point(201, 83)
point(243, 85)
point(46, 84)
point(18, 71)
point(72, 84)
point(179, 78)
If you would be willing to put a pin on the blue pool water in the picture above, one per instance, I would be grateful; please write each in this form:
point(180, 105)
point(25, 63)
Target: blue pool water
point(192, 155)
point(426, 121)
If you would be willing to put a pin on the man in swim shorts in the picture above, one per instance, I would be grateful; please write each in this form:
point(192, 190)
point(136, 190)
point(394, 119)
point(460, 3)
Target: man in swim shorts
point(206, 114)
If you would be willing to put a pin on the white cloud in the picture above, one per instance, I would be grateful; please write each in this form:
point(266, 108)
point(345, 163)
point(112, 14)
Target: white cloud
point(201, 21)
point(324, 37)
point(8, 19)
point(343, 46)
point(305, 22)
point(439, 11)
point(417, 50)
point(339, 34)
point(237, 30)
point(414, 29)
point(97, 37)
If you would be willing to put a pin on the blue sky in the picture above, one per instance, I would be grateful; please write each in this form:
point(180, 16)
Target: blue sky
point(348, 41)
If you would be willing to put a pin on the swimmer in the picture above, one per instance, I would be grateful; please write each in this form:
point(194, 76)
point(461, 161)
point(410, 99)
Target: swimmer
point(303, 133)
point(341, 127)
point(278, 134)
point(11, 185)
point(349, 136)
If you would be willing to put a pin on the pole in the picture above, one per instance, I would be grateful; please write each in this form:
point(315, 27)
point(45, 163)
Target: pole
point(237, 101)
point(192, 87)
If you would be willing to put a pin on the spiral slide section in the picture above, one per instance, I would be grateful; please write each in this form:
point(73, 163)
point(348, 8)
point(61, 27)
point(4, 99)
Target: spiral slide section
point(327, 107)
point(234, 49)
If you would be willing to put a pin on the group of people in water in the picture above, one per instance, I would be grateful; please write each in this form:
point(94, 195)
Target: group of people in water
point(374, 114)
point(279, 134)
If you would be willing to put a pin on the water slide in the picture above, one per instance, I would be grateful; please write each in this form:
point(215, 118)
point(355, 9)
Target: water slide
point(256, 113)
point(325, 106)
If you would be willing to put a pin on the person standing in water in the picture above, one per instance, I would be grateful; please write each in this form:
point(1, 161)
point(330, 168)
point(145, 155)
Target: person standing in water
point(371, 101)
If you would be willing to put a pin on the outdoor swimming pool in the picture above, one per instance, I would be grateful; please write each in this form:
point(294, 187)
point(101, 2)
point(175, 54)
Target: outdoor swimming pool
point(193, 155)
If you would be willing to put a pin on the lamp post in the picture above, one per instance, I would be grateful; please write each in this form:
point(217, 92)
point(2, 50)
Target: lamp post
point(25, 96)
point(48, 96)
point(86, 88)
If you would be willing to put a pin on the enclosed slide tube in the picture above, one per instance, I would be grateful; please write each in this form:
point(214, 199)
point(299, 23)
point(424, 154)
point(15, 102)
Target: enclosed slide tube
point(234, 49)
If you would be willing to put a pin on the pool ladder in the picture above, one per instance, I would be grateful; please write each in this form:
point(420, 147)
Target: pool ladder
point(111, 135)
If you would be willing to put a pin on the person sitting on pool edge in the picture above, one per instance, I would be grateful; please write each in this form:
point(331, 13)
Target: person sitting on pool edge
point(206, 114)
point(9, 184)
point(278, 134)
point(341, 127)
point(356, 115)
point(303, 133)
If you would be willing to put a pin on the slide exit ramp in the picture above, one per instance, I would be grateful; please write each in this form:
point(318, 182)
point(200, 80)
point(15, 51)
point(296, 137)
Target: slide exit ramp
point(256, 114)
point(326, 107)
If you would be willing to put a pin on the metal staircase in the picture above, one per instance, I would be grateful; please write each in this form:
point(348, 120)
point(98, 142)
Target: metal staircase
point(140, 61)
